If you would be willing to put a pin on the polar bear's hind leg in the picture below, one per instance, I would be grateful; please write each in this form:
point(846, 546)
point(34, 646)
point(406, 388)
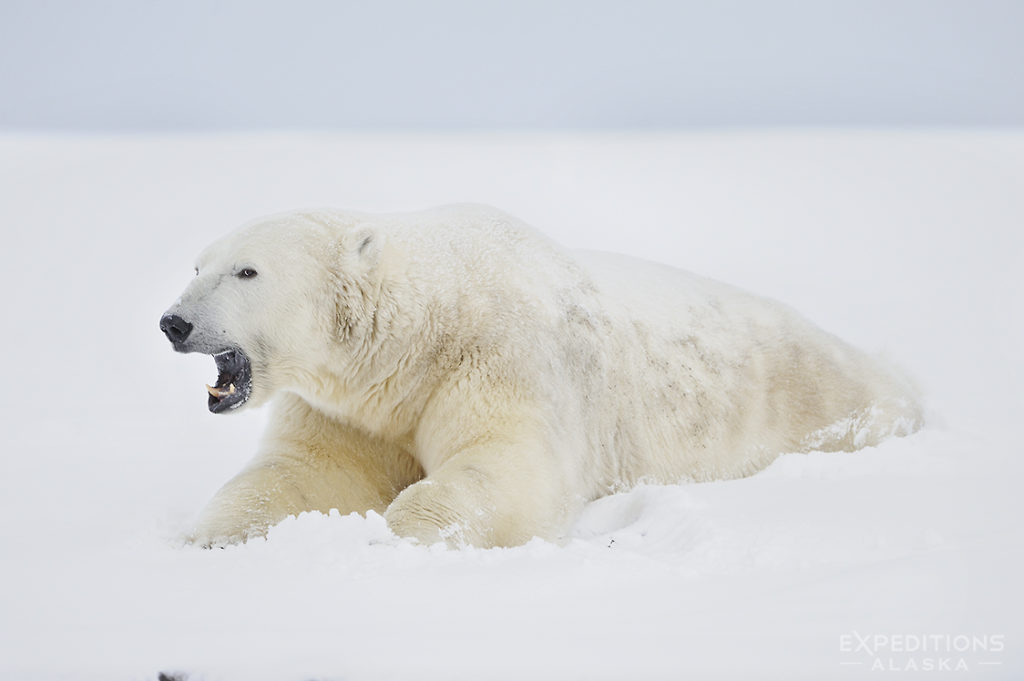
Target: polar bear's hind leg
point(866, 427)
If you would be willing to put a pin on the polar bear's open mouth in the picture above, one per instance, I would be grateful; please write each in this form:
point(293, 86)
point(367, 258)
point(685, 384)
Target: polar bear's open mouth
point(234, 381)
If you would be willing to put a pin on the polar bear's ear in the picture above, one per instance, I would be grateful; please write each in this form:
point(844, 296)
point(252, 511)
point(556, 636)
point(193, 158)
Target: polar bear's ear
point(364, 244)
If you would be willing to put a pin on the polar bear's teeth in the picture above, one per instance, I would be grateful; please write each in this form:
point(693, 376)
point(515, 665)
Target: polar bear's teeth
point(218, 392)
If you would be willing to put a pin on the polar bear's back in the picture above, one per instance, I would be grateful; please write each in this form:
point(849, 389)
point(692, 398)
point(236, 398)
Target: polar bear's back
point(710, 381)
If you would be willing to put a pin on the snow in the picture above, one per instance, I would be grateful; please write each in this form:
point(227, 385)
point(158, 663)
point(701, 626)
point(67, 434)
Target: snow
point(909, 243)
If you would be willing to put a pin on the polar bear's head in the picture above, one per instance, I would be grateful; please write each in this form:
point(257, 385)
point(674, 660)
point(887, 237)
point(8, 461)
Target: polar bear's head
point(265, 303)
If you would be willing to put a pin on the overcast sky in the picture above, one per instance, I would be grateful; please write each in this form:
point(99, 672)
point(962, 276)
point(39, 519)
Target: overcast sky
point(451, 64)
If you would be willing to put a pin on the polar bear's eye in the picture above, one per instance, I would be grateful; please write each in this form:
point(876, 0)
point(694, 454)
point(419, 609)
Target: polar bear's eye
point(247, 273)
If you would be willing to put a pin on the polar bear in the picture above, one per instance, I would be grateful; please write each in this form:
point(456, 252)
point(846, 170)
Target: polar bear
point(463, 375)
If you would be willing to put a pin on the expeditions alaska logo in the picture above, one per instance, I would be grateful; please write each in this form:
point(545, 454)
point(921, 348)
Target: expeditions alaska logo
point(921, 652)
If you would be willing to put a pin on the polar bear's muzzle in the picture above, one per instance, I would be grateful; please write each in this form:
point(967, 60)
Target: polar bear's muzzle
point(234, 370)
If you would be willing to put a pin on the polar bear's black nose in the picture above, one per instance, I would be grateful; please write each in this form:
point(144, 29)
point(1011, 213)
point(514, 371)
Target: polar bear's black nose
point(176, 328)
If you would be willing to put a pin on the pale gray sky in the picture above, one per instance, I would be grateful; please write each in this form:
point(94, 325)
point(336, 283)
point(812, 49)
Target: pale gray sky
point(452, 64)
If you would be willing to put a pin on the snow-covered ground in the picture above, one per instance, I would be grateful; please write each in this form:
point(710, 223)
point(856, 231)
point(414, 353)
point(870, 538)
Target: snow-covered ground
point(825, 566)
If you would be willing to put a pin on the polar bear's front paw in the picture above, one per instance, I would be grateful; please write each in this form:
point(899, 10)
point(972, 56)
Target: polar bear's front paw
point(204, 540)
point(411, 526)
point(432, 513)
point(218, 533)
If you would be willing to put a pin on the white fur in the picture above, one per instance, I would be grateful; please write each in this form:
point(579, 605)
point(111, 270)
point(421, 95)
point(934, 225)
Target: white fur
point(476, 383)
